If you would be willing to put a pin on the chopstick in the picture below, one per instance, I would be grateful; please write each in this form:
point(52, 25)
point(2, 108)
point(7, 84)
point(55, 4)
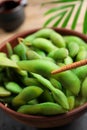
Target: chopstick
point(70, 66)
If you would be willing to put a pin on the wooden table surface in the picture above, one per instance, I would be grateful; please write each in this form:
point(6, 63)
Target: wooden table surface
point(34, 18)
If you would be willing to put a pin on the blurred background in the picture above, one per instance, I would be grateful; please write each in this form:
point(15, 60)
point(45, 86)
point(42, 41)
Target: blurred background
point(35, 15)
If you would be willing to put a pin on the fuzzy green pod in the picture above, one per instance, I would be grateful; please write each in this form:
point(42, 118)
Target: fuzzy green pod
point(21, 50)
point(4, 92)
point(58, 95)
point(13, 87)
point(82, 54)
point(84, 88)
point(44, 33)
point(43, 44)
point(43, 67)
point(27, 94)
point(47, 108)
point(57, 39)
point(68, 60)
point(71, 101)
point(56, 83)
point(73, 49)
point(81, 72)
point(75, 39)
point(59, 54)
point(30, 54)
point(70, 81)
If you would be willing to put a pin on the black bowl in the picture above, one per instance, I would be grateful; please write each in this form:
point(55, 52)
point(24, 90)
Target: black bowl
point(11, 15)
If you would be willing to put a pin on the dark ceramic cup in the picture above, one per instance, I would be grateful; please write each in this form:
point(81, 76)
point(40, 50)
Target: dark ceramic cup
point(11, 15)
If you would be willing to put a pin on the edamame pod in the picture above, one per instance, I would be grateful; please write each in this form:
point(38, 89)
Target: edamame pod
point(47, 108)
point(21, 50)
point(9, 49)
point(82, 54)
point(57, 39)
point(75, 39)
point(58, 95)
point(46, 96)
point(43, 67)
point(13, 87)
point(68, 60)
point(81, 72)
point(43, 33)
point(4, 92)
point(56, 83)
point(27, 94)
point(43, 44)
point(71, 100)
point(73, 49)
point(84, 88)
point(59, 54)
point(30, 54)
point(70, 81)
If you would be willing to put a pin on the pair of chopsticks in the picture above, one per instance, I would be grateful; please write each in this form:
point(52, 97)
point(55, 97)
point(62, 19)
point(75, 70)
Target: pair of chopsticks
point(70, 66)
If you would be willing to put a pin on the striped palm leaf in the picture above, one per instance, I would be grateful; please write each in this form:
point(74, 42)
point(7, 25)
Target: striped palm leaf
point(63, 12)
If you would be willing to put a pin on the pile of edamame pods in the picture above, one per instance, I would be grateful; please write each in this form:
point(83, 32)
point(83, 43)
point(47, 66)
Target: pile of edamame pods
point(26, 83)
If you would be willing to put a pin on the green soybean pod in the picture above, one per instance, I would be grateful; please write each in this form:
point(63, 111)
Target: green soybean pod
point(46, 96)
point(15, 57)
point(2, 54)
point(13, 87)
point(70, 81)
point(4, 92)
point(27, 94)
point(56, 83)
point(43, 44)
point(81, 72)
point(82, 54)
point(43, 33)
point(21, 50)
point(58, 95)
point(59, 54)
point(73, 48)
point(28, 39)
point(75, 39)
point(57, 39)
point(31, 54)
point(33, 102)
point(71, 100)
point(47, 108)
point(68, 60)
point(84, 88)
point(43, 67)
point(29, 81)
point(9, 49)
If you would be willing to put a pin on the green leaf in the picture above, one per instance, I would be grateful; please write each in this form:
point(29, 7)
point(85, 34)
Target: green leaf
point(58, 8)
point(59, 20)
point(68, 17)
point(85, 23)
point(76, 16)
point(58, 1)
point(52, 18)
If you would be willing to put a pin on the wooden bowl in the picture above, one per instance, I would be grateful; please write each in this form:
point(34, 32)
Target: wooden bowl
point(44, 121)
